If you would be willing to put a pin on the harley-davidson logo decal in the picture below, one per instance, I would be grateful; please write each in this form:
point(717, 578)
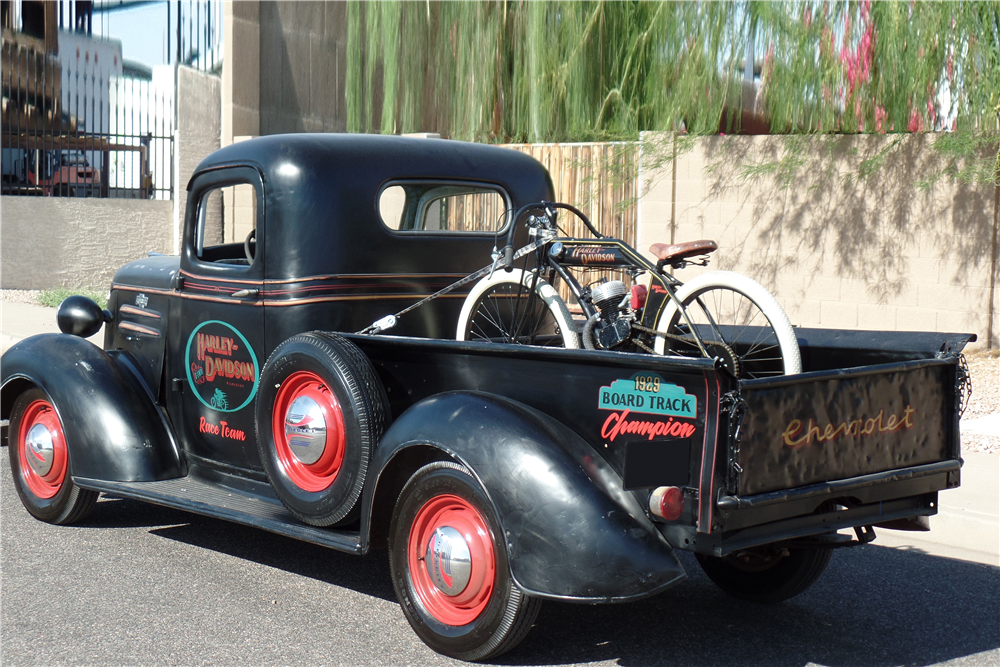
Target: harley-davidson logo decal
point(594, 255)
point(221, 367)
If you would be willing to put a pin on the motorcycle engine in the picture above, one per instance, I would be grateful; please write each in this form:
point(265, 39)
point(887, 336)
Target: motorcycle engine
point(611, 299)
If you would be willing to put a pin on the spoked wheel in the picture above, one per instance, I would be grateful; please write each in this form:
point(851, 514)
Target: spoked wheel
point(450, 571)
point(39, 460)
point(766, 574)
point(503, 309)
point(738, 312)
point(320, 412)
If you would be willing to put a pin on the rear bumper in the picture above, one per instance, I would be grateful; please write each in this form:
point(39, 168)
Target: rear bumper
point(767, 518)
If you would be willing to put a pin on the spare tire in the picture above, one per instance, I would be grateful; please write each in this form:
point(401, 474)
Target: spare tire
point(320, 412)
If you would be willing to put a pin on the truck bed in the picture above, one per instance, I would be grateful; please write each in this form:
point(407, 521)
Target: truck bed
point(867, 434)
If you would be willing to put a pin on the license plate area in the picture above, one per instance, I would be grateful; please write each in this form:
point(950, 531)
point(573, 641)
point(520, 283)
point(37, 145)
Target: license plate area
point(652, 464)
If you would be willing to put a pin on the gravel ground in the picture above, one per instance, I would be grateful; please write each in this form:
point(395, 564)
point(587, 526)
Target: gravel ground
point(20, 295)
point(984, 367)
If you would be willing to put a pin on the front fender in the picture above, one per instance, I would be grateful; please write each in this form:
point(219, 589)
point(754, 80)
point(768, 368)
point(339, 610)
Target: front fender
point(114, 431)
point(570, 530)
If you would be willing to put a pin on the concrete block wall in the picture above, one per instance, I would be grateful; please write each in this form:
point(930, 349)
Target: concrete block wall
point(837, 250)
point(66, 242)
point(285, 67)
point(239, 212)
point(240, 70)
point(50, 242)
point(199, 118)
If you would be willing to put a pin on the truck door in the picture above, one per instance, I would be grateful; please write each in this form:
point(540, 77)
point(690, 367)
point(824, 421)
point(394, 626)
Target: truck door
point(217, 330)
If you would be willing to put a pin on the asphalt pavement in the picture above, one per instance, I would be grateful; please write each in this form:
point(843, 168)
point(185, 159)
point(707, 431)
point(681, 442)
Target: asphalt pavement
point(138, 584)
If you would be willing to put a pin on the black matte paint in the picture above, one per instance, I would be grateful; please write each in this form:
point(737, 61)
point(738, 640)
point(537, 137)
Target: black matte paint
point(80, 316)
point(558, 500)
point(114, 430)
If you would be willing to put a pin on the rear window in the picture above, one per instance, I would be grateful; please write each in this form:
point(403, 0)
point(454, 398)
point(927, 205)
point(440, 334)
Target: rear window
point(442, 207)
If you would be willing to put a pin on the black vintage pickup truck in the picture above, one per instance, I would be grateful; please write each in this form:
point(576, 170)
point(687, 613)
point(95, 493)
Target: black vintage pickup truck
point(234, 383)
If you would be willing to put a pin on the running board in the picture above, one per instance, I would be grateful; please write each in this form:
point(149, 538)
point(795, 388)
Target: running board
point(253, 505)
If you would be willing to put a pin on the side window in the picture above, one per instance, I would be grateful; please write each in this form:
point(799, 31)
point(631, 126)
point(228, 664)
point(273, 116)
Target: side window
point(227, 217)
point(442, 207)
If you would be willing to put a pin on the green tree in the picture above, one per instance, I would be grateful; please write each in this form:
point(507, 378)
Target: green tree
point(572, 71)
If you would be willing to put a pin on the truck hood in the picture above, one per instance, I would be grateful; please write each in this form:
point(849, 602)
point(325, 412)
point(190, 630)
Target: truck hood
point(156, 271)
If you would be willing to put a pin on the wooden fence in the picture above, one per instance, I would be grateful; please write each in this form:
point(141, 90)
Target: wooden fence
point(600, 179)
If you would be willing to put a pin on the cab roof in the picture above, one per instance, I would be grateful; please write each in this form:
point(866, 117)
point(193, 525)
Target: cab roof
point(368, 160)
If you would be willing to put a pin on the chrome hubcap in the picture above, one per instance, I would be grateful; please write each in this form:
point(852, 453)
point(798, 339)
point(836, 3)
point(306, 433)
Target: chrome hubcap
point(305, 430)
point(448, 560)
point(38, 449)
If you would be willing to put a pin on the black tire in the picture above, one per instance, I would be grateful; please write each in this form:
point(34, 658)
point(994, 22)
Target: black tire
point(46, 489)
point(740, 313)
point(484, 617)
point(503, 309)
point(319, 475)
point(766, 574)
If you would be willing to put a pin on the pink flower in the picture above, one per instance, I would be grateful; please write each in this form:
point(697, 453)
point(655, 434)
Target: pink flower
point(880, 116)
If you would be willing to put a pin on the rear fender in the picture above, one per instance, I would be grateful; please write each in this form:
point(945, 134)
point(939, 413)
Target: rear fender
point(570, 530)
point(114, 430)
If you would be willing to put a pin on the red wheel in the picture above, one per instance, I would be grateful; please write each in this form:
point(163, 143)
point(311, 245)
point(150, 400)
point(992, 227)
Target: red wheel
point(451, 559)
point(321, 410)
point(39, 461)
point(308, 427)
point(450, 571)
point(41, 449)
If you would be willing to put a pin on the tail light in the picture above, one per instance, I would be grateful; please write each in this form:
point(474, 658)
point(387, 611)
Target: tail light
point(639, 293)
point(667, 502)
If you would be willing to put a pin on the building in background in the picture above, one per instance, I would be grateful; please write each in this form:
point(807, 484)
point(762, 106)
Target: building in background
point(79, 119)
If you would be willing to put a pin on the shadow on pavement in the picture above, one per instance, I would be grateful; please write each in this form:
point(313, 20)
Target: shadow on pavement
point(368, 575)
point(874, 606)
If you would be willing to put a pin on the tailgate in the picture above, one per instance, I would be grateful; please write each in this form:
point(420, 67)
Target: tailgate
point(835, 425)
point(834, 449)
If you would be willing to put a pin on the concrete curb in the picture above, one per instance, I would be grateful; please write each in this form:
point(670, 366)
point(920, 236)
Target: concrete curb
point(967, 525)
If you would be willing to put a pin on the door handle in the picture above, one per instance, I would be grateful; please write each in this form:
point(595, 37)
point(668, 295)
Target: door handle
point(245, 293)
